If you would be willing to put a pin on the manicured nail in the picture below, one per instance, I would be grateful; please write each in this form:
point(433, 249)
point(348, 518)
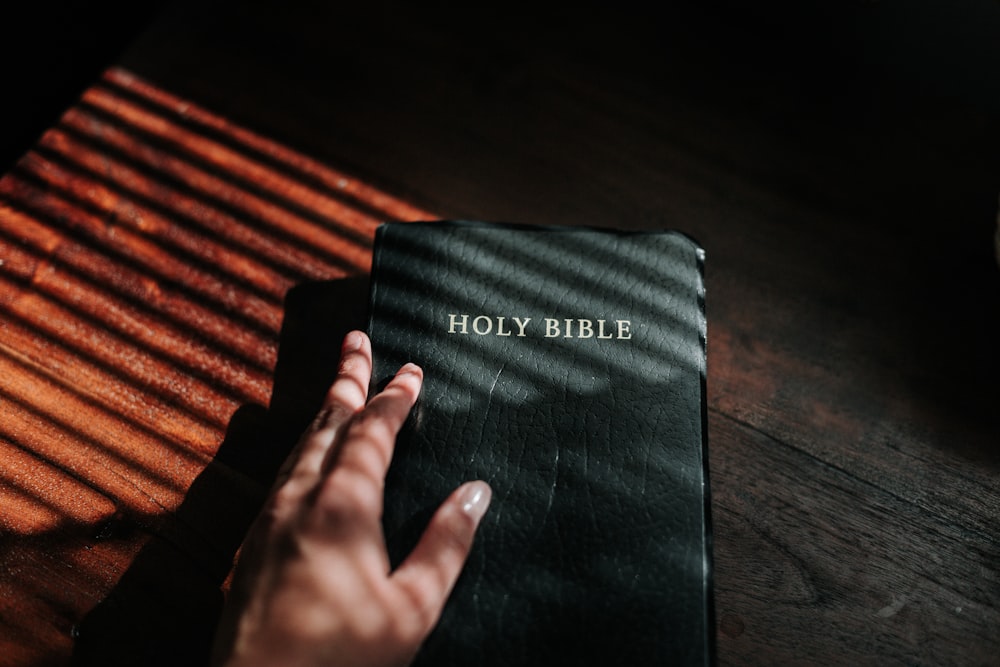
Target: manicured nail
point(475, 499)
point(352, 341)
point(410, 369)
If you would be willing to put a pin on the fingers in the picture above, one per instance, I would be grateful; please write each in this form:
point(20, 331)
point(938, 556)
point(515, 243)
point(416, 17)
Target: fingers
point(427, 576)
point(349, 390)
point(368, 444)
point(349, 500)
point(346, 396)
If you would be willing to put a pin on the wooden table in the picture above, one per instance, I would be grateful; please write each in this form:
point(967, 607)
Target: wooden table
point(181, 251)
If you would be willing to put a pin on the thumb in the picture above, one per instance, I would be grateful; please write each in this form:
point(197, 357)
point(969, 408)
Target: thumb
point(429, 573)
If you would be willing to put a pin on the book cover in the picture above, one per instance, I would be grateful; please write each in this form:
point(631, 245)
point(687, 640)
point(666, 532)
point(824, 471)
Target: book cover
point(566, 367)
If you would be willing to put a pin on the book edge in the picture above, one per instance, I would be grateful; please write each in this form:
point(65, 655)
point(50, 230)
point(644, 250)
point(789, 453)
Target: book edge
point(551, 229)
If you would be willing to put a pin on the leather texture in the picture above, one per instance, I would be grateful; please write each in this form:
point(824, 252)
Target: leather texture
point(596, 547)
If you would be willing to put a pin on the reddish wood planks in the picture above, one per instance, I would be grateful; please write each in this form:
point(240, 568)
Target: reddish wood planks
point(146, 248)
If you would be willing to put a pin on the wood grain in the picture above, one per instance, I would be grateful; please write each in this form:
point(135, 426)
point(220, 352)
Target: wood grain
point(166, 269)
point(147, 249)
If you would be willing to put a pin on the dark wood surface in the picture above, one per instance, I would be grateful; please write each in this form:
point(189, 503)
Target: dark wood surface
point(181, 251)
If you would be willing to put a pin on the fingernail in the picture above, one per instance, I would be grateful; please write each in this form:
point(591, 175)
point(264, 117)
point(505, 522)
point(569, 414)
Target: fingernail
point(475, 499)
point(411, 369)
point(352, 341)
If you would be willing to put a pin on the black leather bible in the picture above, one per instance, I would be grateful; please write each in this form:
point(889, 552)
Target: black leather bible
point(566, 367)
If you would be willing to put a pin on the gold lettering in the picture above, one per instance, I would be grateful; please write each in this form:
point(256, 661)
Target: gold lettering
point(484, 325)
point(452, 322)
point(489, 325)
point(624, 332)
point(600, 331)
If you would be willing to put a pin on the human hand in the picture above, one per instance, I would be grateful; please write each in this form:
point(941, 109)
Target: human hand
point(313, 585)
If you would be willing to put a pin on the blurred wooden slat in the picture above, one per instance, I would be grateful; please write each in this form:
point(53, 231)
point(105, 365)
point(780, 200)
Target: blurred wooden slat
point(146, 248)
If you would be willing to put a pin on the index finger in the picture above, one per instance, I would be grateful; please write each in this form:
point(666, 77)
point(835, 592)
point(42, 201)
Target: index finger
point(370, 438)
